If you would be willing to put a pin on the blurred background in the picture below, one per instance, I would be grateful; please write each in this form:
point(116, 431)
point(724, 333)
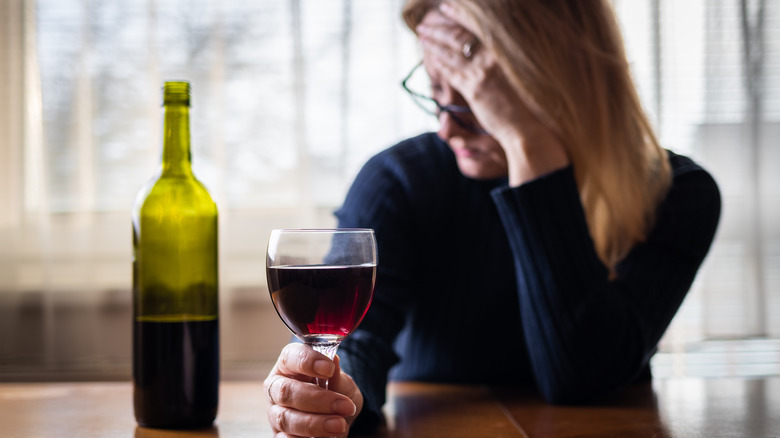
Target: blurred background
point(290, 97)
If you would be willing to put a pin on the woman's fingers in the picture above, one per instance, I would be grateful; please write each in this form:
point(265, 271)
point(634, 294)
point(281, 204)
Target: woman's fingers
point(343, 384)
point(308, 397)
point(301, 360)
point(451, 29)
point(443, 41)
point(291, 383)
point(444, 37)
point(453, 13)
point(299, 406)
point(292, 421)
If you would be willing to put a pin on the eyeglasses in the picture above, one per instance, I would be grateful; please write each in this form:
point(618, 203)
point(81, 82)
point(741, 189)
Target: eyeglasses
point(460, 114)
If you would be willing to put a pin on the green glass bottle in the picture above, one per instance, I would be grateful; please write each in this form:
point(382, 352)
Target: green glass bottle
point(175, 285)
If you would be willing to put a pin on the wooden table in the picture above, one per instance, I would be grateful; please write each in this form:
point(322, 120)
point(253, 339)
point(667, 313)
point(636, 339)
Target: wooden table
point(667, 408)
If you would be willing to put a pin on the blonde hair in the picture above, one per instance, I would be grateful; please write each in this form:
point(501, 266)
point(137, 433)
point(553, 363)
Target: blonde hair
point(565, 59)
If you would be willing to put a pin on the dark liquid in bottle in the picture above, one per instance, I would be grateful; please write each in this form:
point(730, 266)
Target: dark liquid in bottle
point(176, 373)
point(321, 300)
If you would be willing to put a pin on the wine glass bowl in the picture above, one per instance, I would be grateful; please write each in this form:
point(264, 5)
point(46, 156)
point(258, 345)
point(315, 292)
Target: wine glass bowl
point(321, 282)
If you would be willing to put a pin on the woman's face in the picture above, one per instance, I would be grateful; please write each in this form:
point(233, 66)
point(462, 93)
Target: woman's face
point(479, 156)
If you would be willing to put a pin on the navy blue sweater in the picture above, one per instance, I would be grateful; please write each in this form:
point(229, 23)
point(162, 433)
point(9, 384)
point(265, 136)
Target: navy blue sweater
point(482, 283)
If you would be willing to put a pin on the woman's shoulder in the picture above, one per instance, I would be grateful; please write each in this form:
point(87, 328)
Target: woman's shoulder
point(402, 177)
point(411, 165)
point(693, 204)
point(682, 164)
point(690, 175)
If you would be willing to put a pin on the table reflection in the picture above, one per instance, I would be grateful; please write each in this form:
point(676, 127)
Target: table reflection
point(143, 432)
point(631, 412)
point(678, 408)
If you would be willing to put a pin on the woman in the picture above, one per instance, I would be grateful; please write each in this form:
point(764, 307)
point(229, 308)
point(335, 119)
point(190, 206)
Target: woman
point(541, 237)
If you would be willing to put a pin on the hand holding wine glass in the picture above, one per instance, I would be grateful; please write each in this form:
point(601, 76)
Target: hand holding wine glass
point(321, 283)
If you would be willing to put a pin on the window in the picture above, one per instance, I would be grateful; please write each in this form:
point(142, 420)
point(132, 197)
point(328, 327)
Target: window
point(290, 97)
point(709, 74)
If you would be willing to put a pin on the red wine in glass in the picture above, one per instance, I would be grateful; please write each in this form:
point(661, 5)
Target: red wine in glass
point(321, 282)
point(321, 303)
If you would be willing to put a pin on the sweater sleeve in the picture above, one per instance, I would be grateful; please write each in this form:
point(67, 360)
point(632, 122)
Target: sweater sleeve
point(586, 335)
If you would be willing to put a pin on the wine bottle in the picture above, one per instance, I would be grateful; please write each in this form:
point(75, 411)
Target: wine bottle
point(175, 285)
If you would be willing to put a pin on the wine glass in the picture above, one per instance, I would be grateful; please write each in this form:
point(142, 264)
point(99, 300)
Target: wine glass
point(321, 282)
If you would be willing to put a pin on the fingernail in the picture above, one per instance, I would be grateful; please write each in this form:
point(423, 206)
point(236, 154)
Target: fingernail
point(335, 425)
point(343, 407)
point(324, 367)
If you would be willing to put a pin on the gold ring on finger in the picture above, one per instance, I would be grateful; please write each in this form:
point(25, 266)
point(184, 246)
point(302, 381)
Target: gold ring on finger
point(469, 48)
point(268, 391)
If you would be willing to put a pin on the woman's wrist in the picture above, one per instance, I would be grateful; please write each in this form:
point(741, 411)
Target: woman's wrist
point(531, 156)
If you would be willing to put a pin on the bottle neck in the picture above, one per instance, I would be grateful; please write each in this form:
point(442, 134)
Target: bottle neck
point(176, 157)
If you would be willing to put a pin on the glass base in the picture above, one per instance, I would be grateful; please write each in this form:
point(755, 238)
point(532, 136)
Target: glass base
point(327, 349)
point(325, 344)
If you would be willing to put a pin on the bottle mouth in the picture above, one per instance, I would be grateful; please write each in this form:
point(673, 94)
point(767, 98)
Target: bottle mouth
point(176, 92)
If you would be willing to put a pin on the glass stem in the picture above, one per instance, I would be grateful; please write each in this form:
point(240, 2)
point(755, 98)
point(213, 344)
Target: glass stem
point(328, 349)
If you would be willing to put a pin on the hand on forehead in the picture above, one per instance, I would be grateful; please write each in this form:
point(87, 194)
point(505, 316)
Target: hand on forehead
point(445, 27)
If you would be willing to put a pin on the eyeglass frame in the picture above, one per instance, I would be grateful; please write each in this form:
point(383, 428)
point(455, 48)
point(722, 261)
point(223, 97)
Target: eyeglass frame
point(452, 110)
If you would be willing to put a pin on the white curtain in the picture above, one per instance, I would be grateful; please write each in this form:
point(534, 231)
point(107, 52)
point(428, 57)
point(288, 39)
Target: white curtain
point(291, 97)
